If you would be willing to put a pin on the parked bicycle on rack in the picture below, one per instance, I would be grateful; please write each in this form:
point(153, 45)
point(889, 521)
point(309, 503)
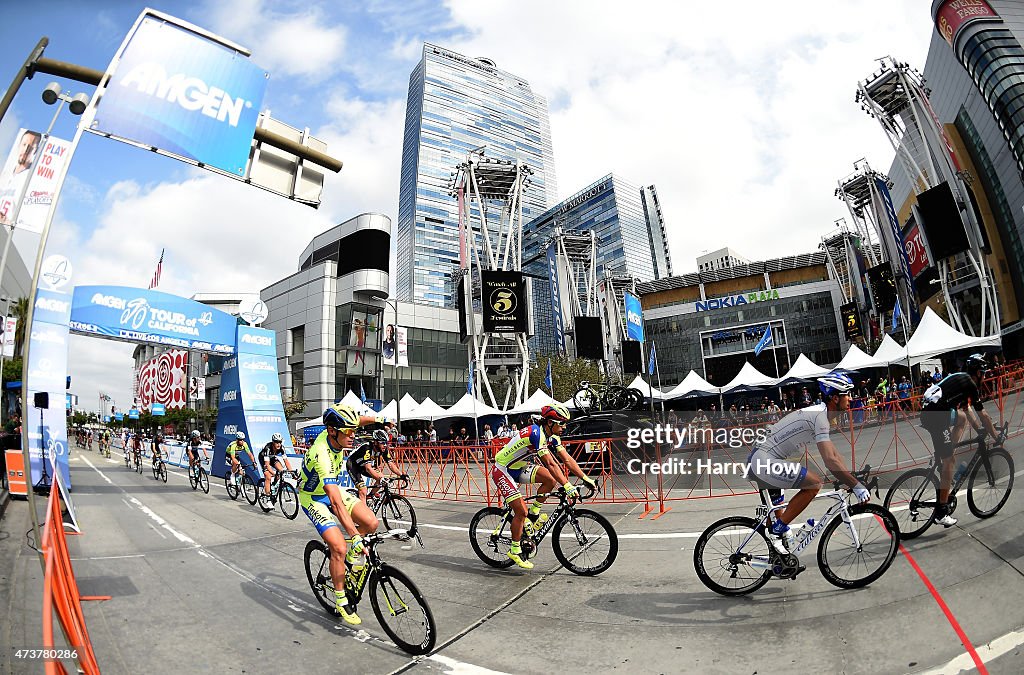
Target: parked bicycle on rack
point(397, 603)
point(595, 397)
point(858, 544)
point(914, 495)
point(584, 541)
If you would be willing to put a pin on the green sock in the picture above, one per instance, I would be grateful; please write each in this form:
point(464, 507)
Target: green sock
point(515, 548)
point(535, 508)
point(340, 598)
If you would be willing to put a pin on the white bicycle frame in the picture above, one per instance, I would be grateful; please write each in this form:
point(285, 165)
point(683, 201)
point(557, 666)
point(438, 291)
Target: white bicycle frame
point(840, 508)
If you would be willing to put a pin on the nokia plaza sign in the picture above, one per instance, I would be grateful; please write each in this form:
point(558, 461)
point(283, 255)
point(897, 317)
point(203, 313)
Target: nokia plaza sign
point(735, 300)
point(183, 93)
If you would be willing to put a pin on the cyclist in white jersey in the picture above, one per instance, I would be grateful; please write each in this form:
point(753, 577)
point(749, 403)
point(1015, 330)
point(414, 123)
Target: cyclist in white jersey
point(774, 461)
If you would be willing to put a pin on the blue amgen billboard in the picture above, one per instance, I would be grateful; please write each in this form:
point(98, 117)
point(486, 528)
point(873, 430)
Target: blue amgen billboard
point(185, 94)
point(634, 317)
point(135, 315)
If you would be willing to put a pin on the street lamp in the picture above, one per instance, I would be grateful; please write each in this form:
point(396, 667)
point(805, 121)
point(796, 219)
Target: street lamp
point(393, 303)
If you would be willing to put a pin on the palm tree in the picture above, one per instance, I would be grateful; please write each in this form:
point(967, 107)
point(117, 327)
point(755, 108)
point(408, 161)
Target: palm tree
point(19, 310)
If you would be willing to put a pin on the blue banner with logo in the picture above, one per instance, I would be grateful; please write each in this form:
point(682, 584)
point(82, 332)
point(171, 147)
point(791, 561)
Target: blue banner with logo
point(133, 414)
point(141, 316)
point(634, 317)
point(48, 372)
point(157, 410)
point(119, 417)
point(184, 94)
point(556, 299)
point(250, 399)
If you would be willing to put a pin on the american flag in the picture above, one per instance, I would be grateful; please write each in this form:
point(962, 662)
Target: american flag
point(159, 268)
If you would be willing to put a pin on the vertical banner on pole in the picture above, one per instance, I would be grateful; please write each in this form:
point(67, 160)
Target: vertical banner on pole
point(47, 373)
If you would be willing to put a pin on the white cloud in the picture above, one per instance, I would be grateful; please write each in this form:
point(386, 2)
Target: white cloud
point(304, 43)
point(742, 116)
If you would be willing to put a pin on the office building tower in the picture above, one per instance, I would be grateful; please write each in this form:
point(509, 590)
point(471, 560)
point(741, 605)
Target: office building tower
point(457, 104)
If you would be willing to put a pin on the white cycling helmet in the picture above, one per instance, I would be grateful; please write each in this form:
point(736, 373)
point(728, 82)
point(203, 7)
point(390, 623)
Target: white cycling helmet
point(277, 438)
point(835, 383)
point(239, 436)
point(195, 433)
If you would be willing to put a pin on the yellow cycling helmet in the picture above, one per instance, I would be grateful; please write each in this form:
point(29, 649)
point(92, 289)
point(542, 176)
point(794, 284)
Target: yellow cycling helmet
point(341, 416)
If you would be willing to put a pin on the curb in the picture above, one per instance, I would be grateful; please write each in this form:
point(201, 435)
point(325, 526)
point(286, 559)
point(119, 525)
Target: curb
point(5, 497)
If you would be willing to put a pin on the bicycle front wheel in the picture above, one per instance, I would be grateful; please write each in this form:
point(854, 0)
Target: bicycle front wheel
point(288, 500)
point(585, 542)
point(193, 477)
point(231, 487)
point(732, 556)
point(249, 489)
point(398, 511)
point(163, 472)
point(586, 400)
point(318, 574)
point(402, 611)
point(847, 563)
point(204, 480)
point(913, 500)
point(990, 483)
point(491, 537)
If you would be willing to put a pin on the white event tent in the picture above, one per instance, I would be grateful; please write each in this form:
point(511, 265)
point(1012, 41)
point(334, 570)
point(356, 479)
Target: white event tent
point(428, 410)
point(692, 385)
point(934, 336)
point(856, 359)
point(646, 389)
point(466, 407)
point(748, 379)
point(803, 369)
point(354, 402)
point(890, 352)
point(537, 400)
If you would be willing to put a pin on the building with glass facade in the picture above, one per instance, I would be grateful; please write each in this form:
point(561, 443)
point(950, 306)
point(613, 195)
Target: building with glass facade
point(710, 322)
point(631, 241)
point(975, 74)
point(457, 104)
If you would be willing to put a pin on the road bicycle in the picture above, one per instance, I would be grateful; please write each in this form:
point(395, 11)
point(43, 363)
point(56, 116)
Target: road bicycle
point(595, 397)
point(238, 483)
point(398, 604)
point(127, 458)
point(858, 544)
point(394, 509)
point(283, 494)
point(138, 461)
point(914, 495)
point(584, 541)
point(160, 470)
point(198, 478)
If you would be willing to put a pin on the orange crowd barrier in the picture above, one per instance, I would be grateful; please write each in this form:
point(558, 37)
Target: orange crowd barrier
point(61, 594)
point(884, 433)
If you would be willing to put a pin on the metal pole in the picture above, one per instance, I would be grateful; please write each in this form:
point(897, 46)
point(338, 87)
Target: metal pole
point(23, 73)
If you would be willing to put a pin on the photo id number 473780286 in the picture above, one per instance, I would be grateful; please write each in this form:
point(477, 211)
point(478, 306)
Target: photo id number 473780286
point(42, 654)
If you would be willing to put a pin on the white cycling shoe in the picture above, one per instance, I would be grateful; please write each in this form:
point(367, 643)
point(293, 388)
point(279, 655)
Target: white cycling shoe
point(946, 520)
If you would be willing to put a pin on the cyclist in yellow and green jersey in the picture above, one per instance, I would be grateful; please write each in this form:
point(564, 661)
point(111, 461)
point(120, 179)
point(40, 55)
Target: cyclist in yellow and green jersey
point(331, 507)
point(239, 445)
point(514, 464)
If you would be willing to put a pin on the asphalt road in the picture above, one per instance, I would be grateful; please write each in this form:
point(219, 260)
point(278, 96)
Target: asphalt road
point(201, 583)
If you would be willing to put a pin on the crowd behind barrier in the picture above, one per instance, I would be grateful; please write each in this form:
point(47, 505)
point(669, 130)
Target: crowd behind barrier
point(883, 432)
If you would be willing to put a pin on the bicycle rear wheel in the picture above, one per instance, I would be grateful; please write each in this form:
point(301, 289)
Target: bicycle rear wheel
point(204, 480)
point(590, 544)
point(586, 400)
point(288, 500)
point(616, 397)
point(396, 511)
point(848, 566)
point(990, 483)
point(491, 536)
point(732, 556)
point(913, 500)
point(249, 489)
point(318, 574)
point(402, 611)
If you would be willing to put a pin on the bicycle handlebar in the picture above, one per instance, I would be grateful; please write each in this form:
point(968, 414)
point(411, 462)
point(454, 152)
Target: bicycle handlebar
point(864, 476)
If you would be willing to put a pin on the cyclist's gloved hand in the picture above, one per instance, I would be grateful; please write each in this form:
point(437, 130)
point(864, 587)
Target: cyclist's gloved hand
point(356, 547)
point(570, 490)
point(590, 483)
point(404, 477)
point(381, 419)
point(861, 493)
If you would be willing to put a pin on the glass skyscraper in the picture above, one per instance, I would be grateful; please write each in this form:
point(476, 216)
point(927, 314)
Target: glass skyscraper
point(631, 240)
point(457, 104)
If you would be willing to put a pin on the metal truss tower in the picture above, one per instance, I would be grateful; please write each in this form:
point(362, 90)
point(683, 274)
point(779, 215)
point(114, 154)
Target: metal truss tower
point(574, 283)
point(896, 96)
point(490, 196)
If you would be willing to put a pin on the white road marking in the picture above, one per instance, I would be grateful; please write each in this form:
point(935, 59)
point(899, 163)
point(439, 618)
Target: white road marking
point(115, 557)
point(459, 668)
point(993, 650)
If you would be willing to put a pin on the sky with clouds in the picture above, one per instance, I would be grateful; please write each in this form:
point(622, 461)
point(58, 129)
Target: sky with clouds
point(742, 114)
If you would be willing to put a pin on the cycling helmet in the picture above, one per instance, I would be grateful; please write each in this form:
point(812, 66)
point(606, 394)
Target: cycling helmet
point(239, 436)
point(196, 434)
point(276, 438)
point(556, 413)
point(975, 362)
point(835, 383)
point(341, 416)
point(380, 436)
